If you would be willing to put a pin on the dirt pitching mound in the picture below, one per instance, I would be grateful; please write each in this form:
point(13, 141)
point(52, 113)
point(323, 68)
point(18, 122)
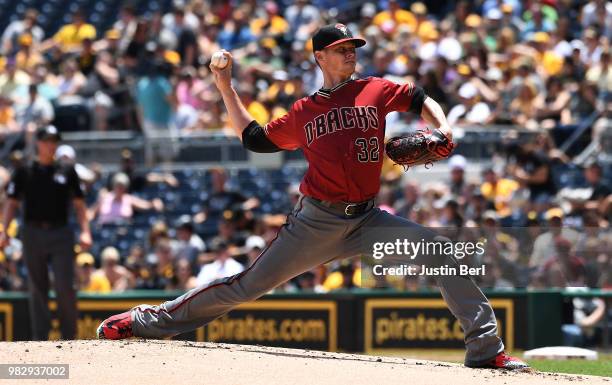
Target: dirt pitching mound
point(180, 362)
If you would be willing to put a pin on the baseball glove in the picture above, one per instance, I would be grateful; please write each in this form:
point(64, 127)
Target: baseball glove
point(421, 147)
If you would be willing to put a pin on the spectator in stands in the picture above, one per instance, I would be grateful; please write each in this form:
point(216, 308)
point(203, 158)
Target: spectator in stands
point(537, 20)
point(186, 40)
point(207, 38)
point(8, 124)
point(474, 209)
point(309, 282)
point(457, 184)
point(394, 16)
point(594, 245)
point(191, 88)
point(27, 58)
point(110, 44)
point(70, 36)
point(117, 206)
point(190, 96)
point(601, 75)
point(156, 99)
point(589, 315)
point(410, 197)
point(544, 245)
point(254, 245)
point(455, 21)
point(346, 275)
point(591, 53)
point(564, 269)
point(104, 88)
point(221, 198)
point(601, 191)
point(86, 58)
point(451, 215)
point(12, 78)
point(532, 170)
point(386, 199)
point(158, 232)
point(433, 88)
point(269, 22)
point(164, 260)
point(598, 12)
point(135, 260)
point(303, 19)
point(119, 277)
point(187, 245)
point(573, 68)
point(90, 280)
point(18, 28)
point(71, 80)
point(247, 94)
point(126, 25)
point(66, 155)
point(140, 180)
point(135, 54)
point(498, 191)
point(523, 108)
point(184, 279)
point(552, 104)
point(222, 266)
point(36, 113)
point(159, 271)
point(524, 73)
point(583, 103)
point(470, 110)
point(12, 272)
point(187, 18)
point(227, 229)
point(236, 32)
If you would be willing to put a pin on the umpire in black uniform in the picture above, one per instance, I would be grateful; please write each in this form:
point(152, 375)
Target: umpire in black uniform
point(47, 189)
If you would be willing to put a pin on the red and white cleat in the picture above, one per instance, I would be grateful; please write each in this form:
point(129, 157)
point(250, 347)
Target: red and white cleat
point(116, 327)
point(502, 361)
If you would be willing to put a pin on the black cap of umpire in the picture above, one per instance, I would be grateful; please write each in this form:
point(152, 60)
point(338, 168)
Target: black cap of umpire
point(48, 132)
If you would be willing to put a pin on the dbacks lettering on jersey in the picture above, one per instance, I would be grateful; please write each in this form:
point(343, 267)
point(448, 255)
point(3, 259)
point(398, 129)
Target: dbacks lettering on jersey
point(342, 118)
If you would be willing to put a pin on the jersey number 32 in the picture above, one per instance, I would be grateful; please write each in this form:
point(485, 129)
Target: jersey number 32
point(367, 150)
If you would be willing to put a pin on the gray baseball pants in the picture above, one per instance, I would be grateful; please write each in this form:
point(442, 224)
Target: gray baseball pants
point(55, 246)
point(312, 235)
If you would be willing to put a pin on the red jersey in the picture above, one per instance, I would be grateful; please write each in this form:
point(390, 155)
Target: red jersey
point(341, 132)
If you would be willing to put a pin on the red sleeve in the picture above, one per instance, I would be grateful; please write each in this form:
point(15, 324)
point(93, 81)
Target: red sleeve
point(283, 131)
point(397, 97)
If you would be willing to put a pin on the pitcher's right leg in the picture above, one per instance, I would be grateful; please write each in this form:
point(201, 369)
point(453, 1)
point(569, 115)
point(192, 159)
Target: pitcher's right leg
point(304, 242)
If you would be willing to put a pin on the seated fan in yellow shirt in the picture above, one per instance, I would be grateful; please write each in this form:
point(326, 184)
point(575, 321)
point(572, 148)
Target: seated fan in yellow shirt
point(499, 191)
point(70, 37)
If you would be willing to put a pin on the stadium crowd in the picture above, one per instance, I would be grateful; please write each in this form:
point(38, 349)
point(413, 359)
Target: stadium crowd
point(540, 65)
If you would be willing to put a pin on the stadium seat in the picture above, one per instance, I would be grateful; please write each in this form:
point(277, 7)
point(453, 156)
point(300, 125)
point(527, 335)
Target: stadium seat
point(72, 117)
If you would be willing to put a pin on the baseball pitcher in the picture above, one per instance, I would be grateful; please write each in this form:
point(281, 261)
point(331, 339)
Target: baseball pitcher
point(341, 130)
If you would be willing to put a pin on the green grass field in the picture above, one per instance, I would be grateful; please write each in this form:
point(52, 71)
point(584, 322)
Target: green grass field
point(601, 367)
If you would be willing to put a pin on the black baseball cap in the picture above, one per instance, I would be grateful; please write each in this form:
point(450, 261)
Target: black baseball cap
point(334, 34)
point(48, 132)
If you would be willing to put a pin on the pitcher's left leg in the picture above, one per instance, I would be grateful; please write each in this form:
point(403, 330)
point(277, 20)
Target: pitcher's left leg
point(464, 299)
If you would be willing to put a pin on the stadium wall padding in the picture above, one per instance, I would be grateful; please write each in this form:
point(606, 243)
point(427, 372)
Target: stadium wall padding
point(370, 321)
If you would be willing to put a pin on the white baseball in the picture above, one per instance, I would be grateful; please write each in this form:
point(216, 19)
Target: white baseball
point(219, 60)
